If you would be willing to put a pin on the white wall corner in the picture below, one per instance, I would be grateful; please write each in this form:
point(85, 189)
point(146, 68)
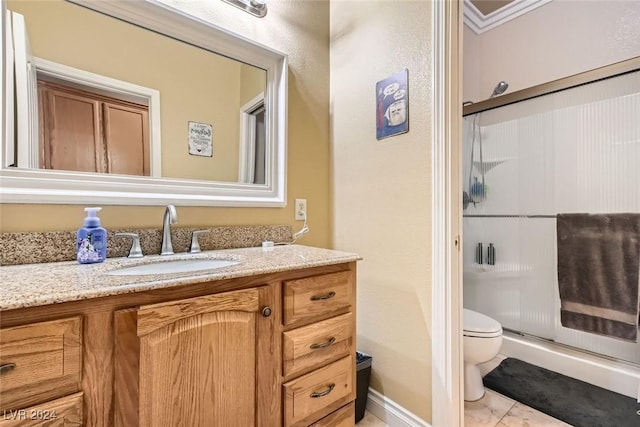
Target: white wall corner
point(391, 413)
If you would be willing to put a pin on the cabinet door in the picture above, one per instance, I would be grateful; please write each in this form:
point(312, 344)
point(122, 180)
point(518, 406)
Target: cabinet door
point(71, 129)
point(126, 137)
point(209, 361)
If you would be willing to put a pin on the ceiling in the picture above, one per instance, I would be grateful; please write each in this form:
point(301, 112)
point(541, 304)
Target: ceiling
point(486, 7)
point(483, 15)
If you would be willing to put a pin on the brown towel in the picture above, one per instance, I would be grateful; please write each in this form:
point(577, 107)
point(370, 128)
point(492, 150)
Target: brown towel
point(598, 273)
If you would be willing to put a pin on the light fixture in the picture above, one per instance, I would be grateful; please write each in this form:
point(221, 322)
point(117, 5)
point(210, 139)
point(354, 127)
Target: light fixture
point(255, 7)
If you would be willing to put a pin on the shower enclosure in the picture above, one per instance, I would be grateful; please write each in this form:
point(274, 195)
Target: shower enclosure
point(575, 150)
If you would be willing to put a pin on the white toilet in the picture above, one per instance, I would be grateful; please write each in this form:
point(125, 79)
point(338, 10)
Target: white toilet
point(482, 338)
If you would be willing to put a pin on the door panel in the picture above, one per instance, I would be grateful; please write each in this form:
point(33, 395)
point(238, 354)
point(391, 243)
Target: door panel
point(73, 129)
point(127, 139)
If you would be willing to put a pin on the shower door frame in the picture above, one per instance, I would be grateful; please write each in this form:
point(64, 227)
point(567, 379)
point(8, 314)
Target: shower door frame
point(591, 76)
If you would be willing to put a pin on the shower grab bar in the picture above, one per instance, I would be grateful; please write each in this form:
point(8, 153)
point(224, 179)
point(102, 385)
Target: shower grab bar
point(508, 216)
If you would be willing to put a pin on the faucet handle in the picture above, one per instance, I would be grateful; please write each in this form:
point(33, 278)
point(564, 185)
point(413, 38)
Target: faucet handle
point(135, 251)
point(195, 245)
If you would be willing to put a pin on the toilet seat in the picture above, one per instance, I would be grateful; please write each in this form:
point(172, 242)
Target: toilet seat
point(478, 325)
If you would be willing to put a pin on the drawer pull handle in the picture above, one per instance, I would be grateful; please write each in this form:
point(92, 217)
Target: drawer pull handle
point(321, 297)
point(328, 390)
point(6, 367)
point(325, 344)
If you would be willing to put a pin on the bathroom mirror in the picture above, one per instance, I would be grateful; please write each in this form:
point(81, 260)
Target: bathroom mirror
point(205, 141)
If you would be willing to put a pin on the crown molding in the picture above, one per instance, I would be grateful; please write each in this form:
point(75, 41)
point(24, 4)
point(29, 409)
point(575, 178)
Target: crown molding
point(480, 23)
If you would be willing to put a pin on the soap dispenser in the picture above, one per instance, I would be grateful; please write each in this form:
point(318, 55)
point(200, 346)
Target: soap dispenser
point(92, 239)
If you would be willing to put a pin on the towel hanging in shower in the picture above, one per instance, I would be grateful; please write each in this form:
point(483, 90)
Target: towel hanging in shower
point(599, 273)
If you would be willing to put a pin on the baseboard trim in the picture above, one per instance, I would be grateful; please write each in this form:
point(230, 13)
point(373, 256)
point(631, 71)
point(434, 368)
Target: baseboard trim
point(391, 413)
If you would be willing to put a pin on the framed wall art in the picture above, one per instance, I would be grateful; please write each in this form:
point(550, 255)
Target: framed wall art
point(392, 105)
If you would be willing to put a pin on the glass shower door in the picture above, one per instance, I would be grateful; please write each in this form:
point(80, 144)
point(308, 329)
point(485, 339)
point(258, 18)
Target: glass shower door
point(574, 151)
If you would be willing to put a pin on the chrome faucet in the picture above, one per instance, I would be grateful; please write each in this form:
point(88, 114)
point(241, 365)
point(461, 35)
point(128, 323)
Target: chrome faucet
point(170, 217)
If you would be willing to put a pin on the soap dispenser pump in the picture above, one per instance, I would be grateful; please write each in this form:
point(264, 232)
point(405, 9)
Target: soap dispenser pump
point(92, 239)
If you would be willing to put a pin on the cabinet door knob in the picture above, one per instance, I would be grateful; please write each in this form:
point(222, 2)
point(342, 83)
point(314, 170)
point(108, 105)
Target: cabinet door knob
point(325, 344)
point(6, 367)
point(328, 390)
point(266, 312)
point(321, 297)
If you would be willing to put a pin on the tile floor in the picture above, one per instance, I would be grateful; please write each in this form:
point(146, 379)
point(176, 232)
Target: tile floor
point(493, 410)
point(496, 410)
point(370, 420)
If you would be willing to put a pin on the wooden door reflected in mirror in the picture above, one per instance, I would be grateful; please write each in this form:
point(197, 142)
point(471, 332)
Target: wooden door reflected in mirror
point(88, 132)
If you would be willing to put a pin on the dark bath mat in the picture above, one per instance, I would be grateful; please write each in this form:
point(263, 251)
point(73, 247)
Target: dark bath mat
point(573, 401)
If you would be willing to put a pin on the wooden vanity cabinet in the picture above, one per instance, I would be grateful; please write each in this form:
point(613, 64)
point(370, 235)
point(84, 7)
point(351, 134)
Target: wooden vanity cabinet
point(269, 350)
point(40, 373)
point(319, 350)
point(203, 361)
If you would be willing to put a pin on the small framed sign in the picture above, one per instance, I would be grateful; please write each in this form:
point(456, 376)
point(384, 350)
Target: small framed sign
point(392, 105)
point(200, 139)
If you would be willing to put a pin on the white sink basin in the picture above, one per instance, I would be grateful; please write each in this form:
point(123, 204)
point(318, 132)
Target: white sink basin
point(170, 267)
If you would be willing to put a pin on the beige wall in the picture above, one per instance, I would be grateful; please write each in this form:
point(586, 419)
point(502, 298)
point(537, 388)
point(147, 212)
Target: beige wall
point(381, 189)
point(308, 132)
point(194, 85)
point(252, 83)
point(556, 40)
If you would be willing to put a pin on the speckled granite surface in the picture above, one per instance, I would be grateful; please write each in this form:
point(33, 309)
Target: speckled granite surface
point(33, 247)
point(33, 285)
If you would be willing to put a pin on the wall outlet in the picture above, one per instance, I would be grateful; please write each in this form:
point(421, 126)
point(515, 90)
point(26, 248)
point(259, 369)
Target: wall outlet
point(301, 209)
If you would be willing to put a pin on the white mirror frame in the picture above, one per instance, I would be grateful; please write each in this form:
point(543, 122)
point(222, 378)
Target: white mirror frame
point(61, 187)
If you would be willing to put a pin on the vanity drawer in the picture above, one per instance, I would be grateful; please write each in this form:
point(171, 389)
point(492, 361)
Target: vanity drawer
point(63, 412)
point(317, 343)
point(317, 394)
point(40, 362)
point(343, 417)
point(317, 295)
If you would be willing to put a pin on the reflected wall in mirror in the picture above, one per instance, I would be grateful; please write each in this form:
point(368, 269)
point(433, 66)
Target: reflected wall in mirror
point(194, 85)
point(202, 126)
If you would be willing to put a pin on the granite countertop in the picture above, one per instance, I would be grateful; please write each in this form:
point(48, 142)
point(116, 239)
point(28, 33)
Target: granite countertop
point(31, 285)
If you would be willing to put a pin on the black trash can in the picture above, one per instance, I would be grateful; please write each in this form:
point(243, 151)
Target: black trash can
point(363, 374)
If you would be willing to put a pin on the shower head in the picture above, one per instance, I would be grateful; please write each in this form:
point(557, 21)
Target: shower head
point(499, 89)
